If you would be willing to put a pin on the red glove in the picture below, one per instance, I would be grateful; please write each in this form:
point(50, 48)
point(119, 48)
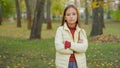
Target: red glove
point(67, 44)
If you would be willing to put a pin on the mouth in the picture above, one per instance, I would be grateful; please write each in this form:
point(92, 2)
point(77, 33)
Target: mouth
point(71, 20)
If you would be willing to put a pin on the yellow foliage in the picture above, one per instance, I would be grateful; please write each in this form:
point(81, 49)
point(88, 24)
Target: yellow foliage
point(96, 4)
point(104, 4)
point(105, 38)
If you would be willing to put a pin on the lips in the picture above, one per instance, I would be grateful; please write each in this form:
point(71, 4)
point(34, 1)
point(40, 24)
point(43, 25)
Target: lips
point(71, 20)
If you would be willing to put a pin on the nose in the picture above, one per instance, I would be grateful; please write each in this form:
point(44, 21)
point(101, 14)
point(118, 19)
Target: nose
point(71, 15)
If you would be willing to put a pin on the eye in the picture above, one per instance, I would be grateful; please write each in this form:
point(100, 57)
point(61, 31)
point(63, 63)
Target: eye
point(73, 13)
point(68, 14)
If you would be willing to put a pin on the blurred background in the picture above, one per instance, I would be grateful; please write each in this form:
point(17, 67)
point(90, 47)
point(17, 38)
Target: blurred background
point(27, 30)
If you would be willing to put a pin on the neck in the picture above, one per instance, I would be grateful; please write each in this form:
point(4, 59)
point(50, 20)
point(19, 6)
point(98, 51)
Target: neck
point(71, 25)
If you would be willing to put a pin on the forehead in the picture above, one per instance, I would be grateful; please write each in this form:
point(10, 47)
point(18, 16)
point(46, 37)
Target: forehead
point(71, 9)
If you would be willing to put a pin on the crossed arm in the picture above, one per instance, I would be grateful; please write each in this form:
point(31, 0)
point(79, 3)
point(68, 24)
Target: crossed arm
point(67, 47)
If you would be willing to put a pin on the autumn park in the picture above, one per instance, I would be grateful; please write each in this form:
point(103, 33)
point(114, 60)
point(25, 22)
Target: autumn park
point(28, 27)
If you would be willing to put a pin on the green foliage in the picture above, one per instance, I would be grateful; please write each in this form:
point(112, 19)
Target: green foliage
point(7, 7)
point(116, 15)
point(57, 7)
point(23, 6)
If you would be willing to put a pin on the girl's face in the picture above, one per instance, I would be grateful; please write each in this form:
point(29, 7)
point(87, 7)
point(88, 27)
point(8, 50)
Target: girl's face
point(71, 16)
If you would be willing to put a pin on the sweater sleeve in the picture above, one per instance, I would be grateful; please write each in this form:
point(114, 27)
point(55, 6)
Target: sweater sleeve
point(67, 44)
point(59, 43)
point(80, 47)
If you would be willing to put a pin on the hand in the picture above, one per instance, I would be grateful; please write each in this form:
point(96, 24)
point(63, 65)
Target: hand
point(80, 41)
point(67, 44)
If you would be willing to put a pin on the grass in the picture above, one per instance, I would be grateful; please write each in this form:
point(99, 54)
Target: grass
point(17, 51)
point(103, 55)
point(20, 53)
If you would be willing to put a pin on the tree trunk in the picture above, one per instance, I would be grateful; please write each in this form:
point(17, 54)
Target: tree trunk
point(119, 5)
point(29, 18)
point(95, 24)
point(101, 16)
point(86, 12)
point(0, 15)
point(18, 13)
point(108, 15)
point(98, 21)
point(49, 23)
point(38, 20)
point(108, 10)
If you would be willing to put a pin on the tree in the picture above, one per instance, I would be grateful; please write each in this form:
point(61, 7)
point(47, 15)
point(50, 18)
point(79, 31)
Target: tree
point(86, 12)
point(98, 21)
point(18, 13)
point(49, 25)
point(119, 5)
point(108, 10)
point(57, 7)
point(7, 7)
point(29, 18)
point(0, 15)
point(38, 20)
point(32, 6)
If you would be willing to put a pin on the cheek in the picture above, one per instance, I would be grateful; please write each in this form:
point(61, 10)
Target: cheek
point(66, 18)
point(75, 17)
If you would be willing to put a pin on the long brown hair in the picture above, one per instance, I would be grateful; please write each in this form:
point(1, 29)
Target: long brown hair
point(64, 13)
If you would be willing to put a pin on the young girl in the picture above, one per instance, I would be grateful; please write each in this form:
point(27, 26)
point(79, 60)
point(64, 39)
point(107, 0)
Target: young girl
point(70, 41)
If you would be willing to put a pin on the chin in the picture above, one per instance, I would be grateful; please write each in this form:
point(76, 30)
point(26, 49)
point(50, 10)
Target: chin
point(71, 23)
